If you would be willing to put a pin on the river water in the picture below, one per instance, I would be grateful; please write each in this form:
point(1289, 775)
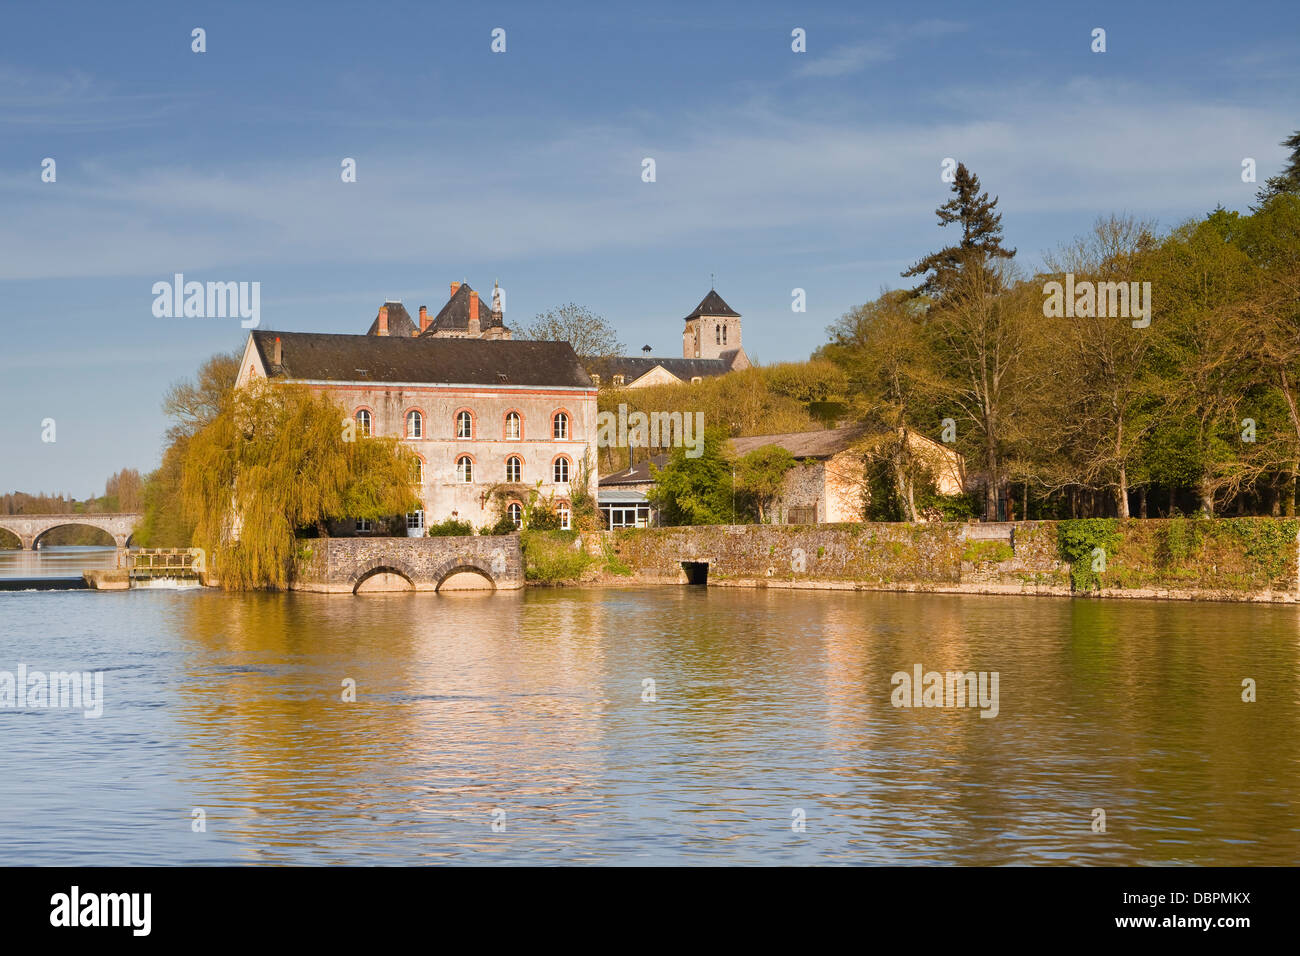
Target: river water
point(530, 711)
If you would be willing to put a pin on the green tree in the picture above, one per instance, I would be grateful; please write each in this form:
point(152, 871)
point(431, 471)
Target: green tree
point(695, 490)
point(981, 238)
point(760, 478)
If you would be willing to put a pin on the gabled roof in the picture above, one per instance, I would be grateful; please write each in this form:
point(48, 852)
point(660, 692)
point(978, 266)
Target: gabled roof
point(638, 474)
point(399, 322)
point(822, 443)
point(454, 316)
point(316, 356)
point(712, 304)
point(632, 367)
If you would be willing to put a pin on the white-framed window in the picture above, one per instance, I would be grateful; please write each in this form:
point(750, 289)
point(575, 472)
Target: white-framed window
point(513, 426)
point(516, 514)
point(595, 380)
point(566, 515)
point(514, 468)
point(695, 380)
point(414, 424)
point(560, 471)
point(560, 426)
point(417, 472)
point(618, 379)
point(465, 469)
point(363, 422)
point(464, 425)
point(363, 525)
point(415, 520)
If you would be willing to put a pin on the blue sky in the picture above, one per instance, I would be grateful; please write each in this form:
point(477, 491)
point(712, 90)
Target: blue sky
point(775, 170)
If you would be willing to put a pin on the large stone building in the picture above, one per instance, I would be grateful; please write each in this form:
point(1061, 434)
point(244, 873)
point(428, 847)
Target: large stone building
point(710, 346)
point(484, 413)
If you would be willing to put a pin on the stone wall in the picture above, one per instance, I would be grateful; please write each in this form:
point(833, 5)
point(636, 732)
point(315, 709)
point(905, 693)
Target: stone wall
point(341, 565)
point(1246, 559)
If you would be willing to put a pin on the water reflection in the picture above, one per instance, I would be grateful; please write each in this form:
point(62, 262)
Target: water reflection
point(766, 703)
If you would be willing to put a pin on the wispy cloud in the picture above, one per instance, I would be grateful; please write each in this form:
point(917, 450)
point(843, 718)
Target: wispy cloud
point(888, 45)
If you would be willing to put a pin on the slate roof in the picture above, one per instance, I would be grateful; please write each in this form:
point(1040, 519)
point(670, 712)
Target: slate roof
point(632, 367)
point(318, 356)
point(822, 443)
point(712, 304)
point(399, 322)
point(454, 316)
point(638, 474)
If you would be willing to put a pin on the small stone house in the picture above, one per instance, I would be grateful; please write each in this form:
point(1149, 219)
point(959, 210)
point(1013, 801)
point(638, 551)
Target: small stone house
point(828, 483)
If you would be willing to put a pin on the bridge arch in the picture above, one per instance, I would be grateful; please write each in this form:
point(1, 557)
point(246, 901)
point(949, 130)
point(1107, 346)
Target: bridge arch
point(114, 540)
point(383, 575)
point(30, 528)
point(467, 571)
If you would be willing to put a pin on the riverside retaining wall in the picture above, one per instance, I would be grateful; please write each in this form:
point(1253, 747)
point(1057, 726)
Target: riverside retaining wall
point(1238, 559)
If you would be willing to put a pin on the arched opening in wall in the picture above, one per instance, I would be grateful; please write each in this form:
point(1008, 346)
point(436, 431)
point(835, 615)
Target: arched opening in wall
point(74, 536)
point(9, 541)
point(466, 578)
point(383, 581)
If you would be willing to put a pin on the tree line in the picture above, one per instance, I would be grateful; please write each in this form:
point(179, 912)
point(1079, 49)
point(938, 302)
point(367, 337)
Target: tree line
point(1088, 407)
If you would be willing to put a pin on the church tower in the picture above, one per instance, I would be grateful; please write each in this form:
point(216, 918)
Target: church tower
point(712, 329)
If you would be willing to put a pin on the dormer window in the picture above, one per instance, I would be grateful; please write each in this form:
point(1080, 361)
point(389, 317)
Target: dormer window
point(618, 379)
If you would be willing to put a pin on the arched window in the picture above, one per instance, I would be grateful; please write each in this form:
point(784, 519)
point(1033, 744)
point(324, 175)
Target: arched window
point(695, 380)
point(514, 426)
point(516, 513)
point(363, 422)
point(464, 469)
point(464, 424)
point(724, 335)
point(414, 424)
point(514, 469)
point(560, 470)
point(717, 335)
point(417, 472)
point(560, 426)
point(566, 515)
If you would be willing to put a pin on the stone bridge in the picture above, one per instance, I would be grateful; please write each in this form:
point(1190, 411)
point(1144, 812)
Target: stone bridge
point(29, 528)
point(361, 565)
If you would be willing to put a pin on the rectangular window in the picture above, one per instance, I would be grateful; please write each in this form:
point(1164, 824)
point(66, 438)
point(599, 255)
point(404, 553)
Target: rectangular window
point(363, 525)
point(415, 521)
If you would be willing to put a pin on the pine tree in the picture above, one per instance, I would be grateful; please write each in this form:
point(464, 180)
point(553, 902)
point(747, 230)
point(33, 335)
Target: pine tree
point(1288, 180)
point(981, 237)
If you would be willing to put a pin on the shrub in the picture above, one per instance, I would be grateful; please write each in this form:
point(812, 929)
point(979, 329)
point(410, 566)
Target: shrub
point(551, 557)
point(451, 528)
point(504, 525)
point(1077, 539)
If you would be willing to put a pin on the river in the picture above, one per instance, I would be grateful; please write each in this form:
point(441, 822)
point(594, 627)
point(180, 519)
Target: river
point(517, 727)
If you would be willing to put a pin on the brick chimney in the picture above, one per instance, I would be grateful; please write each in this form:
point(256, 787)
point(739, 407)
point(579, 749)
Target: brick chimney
point(424, 318)
point(474, 328)
point(383, 320)
point(278, 357)
point(454, 287)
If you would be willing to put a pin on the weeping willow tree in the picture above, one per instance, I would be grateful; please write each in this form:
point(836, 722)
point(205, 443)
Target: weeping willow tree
point(276, 459)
